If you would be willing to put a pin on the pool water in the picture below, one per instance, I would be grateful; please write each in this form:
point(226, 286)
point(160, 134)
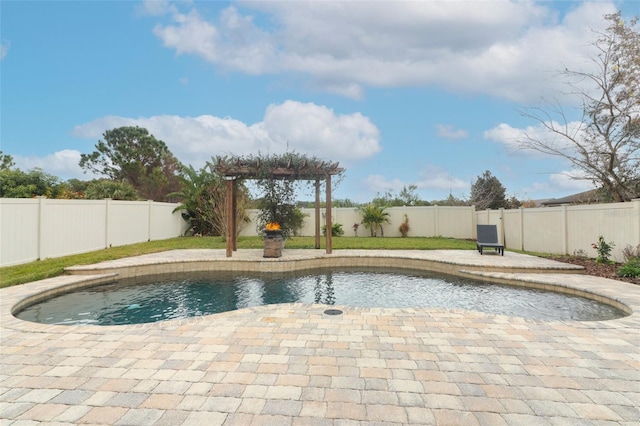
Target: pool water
point(165, 297)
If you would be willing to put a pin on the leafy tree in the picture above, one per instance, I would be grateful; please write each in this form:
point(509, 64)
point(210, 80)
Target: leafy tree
point(132, 155)
point(373, 217)
point(104, 188)
point(6, 161)
point(450, 201)
point(605, 146)
point(346, 202)
point(73, 189)
point(278, 204)
point(14, 183)
point(405, 197)
point(514, 203)
point(488, 193)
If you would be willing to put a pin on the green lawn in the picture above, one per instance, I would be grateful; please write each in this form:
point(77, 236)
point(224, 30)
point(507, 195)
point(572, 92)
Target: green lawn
point(41, 269)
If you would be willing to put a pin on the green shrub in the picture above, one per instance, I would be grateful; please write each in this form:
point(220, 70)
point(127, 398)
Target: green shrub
point(631, 253)
point(631, 269)
point(604, 250)
point(336, 230)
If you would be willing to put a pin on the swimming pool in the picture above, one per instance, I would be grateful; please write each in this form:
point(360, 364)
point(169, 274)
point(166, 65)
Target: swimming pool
point(172, 296)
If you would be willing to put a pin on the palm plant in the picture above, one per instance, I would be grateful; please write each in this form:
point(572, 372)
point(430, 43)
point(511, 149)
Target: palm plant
point(203, 198)
point(373, 217)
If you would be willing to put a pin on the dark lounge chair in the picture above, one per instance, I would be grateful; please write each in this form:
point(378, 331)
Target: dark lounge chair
point(488, 237)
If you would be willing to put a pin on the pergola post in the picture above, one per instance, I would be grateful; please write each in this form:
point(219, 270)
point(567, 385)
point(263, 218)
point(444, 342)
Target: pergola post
point(317, 208)
point(328, 215)
point(234, 215)
point(230, 214)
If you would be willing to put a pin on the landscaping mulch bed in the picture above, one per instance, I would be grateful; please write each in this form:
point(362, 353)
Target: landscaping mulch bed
point(597, 269)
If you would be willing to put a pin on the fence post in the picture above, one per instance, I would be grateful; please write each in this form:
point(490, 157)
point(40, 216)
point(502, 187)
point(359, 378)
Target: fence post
point(565, 237)
point(150, 204)
point(521, 228)
point(41, 207)
point(501, 227)
point(474, 221)
point(636, 214)
point(436, 221)
point(107, 209)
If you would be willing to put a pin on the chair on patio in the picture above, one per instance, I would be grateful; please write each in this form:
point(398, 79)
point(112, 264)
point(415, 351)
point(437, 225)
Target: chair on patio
point(488, 237)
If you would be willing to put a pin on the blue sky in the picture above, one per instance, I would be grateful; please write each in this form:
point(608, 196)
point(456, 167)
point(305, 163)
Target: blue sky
point(425, 93)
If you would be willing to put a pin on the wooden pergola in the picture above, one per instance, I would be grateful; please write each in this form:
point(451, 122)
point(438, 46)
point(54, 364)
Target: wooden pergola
point(252, 168)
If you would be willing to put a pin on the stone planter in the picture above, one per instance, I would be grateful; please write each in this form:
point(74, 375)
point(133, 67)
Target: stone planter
point(273, 244)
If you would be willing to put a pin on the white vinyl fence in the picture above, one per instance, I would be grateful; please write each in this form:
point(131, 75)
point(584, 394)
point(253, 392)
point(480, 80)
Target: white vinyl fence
point(424, 221)
point(40, 228)
point(567, 229)
point(32, 229)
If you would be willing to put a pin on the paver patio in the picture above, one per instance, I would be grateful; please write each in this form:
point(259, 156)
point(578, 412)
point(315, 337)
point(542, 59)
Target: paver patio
point(293, 364)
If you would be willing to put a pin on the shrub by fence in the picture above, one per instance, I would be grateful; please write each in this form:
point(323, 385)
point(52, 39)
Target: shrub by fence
point(40, 228)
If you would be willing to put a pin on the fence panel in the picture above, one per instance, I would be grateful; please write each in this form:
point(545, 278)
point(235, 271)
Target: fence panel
point(128, 222)
point(543, 230)
point(165, 223)
point(455, 222)
point(512, 222)
point(71, 227)
point(586, 223)
point(19, 222)
point(33, 229)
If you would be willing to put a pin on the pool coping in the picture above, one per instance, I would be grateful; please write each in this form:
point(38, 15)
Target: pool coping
point(511, 269)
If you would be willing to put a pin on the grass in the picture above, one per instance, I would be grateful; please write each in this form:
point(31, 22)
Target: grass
point(34, 271)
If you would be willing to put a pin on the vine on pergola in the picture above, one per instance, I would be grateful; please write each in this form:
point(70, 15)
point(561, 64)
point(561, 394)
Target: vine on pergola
point(277, 176)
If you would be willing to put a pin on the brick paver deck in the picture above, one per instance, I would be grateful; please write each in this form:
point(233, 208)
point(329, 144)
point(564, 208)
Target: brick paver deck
point(293, 364)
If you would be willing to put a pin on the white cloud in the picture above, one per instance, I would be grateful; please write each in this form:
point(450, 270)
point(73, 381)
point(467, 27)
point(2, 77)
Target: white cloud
point(436, 178)
point(155, 8)
point(449, 132)
point(303, 127)
point(513, 137)
point(4, 49)
point(63, 164)
point(380, 184)
point(559, 185)
point(502, 48)
point(431, 178)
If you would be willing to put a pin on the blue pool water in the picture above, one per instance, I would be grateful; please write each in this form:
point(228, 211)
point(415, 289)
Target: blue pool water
point(166, 297)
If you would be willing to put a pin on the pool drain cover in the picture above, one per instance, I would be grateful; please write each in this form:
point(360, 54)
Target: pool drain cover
point(333, 312)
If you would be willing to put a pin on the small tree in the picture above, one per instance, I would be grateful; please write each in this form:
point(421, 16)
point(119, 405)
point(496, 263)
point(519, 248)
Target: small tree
point(6, 161)
point(404, 226)
point(203, 201)
point(132, 155)
point(488, 193)
point(278, 205)
point(373, 217)
point(605, 144)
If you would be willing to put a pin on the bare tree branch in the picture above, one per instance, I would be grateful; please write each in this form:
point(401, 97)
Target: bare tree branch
point(605, 145)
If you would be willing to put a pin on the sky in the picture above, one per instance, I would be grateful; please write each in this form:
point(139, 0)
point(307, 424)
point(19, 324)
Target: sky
point(424, 93)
